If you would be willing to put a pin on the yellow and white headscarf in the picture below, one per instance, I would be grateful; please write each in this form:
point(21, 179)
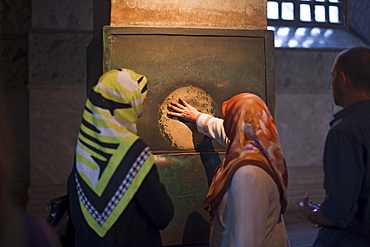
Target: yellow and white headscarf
point(111, 160)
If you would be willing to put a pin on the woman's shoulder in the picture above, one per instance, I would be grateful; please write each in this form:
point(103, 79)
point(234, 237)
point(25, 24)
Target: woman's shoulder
point(251, 174)
point(250, 170)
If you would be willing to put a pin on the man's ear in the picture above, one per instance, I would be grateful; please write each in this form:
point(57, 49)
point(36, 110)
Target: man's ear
point(343, 80)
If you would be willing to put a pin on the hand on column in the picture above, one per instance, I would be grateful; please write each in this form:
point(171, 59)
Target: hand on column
point(183, 110)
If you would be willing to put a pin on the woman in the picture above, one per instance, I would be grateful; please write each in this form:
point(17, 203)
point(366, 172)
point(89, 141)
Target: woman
point(247, 196)
point(116, 198)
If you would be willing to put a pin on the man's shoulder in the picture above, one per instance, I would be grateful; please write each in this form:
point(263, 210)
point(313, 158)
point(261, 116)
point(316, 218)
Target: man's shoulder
point(355, 126)
point(358, 117)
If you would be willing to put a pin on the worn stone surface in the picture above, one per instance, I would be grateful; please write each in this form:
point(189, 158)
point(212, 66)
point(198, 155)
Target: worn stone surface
point(359, 18)
point(304, 69)
point(14, 63)
point(302, 136)
point(15, 22)
point(54, 124)
point(15, 17)
point(58, 57)
point(193, 13)
point(14, 136)
point(62, 14)
point(55, 116)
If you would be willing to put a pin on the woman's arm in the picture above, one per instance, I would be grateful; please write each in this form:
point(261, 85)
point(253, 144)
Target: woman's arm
point(206, 124)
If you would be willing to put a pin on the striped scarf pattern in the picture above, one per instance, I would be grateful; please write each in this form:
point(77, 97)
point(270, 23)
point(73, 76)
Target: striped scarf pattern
point(111, 160)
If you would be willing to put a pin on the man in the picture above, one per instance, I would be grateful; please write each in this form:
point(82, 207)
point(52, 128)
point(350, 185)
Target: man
point(345, 212)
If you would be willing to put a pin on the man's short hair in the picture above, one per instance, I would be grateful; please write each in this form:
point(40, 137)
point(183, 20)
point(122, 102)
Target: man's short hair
point(355, 63)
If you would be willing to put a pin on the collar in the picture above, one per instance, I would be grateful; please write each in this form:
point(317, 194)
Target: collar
point(358, 106)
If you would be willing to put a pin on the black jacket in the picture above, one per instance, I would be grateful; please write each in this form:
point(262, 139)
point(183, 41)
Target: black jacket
point(149, 211)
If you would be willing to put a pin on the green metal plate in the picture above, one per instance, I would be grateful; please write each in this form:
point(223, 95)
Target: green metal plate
point(187, 177)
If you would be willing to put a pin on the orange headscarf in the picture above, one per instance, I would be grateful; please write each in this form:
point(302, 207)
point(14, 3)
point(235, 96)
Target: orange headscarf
point(253, 141)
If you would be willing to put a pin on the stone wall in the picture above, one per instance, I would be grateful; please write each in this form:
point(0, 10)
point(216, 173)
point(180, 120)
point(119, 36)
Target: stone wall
point(15, 19)
point(232, 14)
point(61, 31)
point(359, 18)
point(305, 107)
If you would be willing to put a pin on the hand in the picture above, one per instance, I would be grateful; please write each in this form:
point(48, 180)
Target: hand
point(184, 111)
point(307, 206)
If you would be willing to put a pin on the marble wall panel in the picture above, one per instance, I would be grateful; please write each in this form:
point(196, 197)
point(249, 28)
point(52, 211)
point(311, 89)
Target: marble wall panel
point(14, 144)
point(101, 14)
point(58, 57)
point(304, 69)
point(359, 18)
point(62, 14)
point(14, 63)
point(55, 116)
point(15, 17)
point(302, 119)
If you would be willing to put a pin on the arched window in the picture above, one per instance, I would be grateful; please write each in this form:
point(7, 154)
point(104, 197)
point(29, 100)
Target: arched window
point(306, 13)
point(310, 24)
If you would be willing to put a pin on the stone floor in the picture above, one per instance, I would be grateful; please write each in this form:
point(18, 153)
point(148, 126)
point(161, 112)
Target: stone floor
point(300, 232)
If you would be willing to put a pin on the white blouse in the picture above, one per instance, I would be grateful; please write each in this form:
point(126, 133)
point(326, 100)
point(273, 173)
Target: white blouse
point(249, 213)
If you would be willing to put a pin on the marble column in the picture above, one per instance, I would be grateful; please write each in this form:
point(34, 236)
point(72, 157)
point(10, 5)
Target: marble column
point(61, 31)
point(232, 14)
point(15, 19)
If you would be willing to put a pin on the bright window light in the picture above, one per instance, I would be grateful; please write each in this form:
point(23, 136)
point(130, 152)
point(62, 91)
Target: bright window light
point(287, 11)
point(283, 31)
point(333, 14)
point(301, 31)
point(293, 43)
point(278, 42)
point(305, 12)
point(328, 33)
point(319, 13)
point(272, 10)
point(315, 31)
point(307, 43)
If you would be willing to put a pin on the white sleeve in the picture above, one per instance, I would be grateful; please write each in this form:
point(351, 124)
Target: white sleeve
point(212, 127)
